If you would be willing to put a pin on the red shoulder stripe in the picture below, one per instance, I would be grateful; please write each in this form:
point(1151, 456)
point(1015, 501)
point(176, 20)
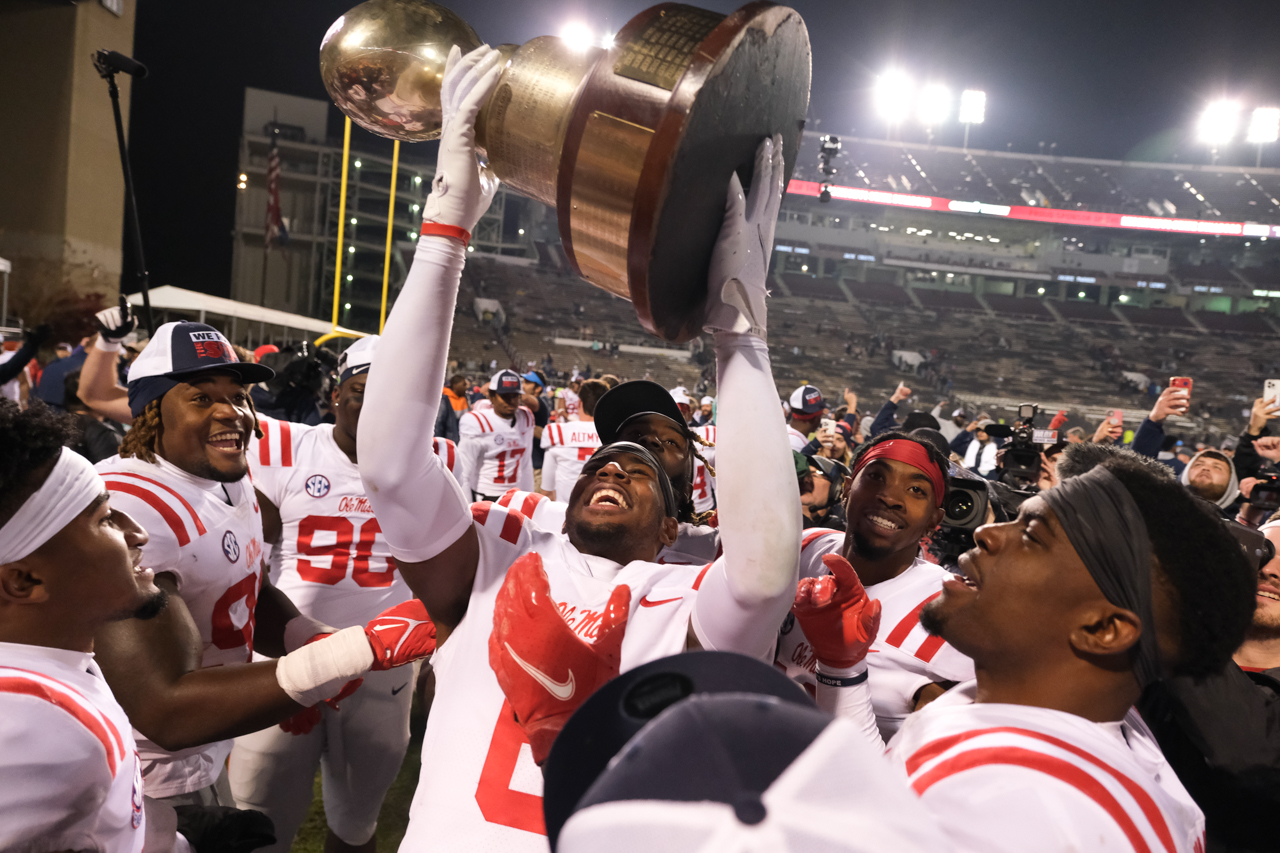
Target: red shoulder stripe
point(929, 648)
point(910, 621)
point(200, 531)
point(808, 540)
point(507, 497)
point(511, 527)
point(480, 511)
point(264, 443)
point(157, 503)
point(697, 582)
point(531, 503)
point(1149, 808)
point(102, 729)
point(1062, 770)
point(286, 445)
point(451, 459)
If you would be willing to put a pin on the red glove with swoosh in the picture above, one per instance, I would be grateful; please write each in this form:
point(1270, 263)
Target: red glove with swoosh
point(307, 719)
point(544, 668)
point(839, 619)
point(401, 635)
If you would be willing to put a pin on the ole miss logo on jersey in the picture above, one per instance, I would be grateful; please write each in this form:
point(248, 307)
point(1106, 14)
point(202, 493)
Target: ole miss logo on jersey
point(317, 485)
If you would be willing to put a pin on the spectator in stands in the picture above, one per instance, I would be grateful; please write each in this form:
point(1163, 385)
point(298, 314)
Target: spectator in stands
point(705, 412)
point(52, 384)
point(1168, 454)
point(806, 408)
point(886, 419)
point(1211, 476)
point(1149, 439)
point(979, 449)
point(99, 437)
point(953, 426)
point(822, 493)
point(453, 405)
point(534, 385)
point(1246, 458)
point(13, 365)
point(1077, 435)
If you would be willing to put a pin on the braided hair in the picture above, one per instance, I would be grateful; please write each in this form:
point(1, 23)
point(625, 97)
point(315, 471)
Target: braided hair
point(695, 517)
point(141, 441)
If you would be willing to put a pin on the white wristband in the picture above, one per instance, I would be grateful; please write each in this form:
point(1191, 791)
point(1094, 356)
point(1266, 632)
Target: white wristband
point(320, 670)
point(101, 343)
point(301, 628)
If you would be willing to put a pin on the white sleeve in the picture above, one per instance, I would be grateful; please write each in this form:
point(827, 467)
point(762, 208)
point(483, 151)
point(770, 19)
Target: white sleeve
point(524, 478)
point(847, 693)
point(471, 447)
point(418, 503)
point(550, 460)
point(747, 592)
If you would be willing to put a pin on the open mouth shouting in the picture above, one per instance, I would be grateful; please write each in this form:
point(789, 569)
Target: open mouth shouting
point(608, 497)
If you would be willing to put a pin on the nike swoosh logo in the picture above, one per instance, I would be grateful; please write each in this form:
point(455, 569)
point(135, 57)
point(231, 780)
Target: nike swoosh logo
point(645, 602)
point(560, 690)
point(398, 689)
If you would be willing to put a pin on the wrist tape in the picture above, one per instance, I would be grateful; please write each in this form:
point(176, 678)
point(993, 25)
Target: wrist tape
point(320, 670)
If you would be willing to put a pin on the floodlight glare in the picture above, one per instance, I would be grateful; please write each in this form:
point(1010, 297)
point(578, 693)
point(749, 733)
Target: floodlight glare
point(973, 106)
point(892, 95)
point(1218, 122)
point(1264, 125)
point(933, 105)
point(606, 41)
point(577, 36)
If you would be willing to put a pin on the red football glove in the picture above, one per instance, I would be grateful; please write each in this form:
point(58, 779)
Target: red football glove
point(307, 719)
point(838, 618)
point(401, 635)
point(544, 668)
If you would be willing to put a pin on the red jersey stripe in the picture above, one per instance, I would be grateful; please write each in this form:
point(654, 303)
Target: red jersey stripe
point(157, 503)
point(109, 738)
point(815, 534)
point(531, 503)
point(507, 496)
point(910, 621)
point(697, 582)
point(511, 527)
point(929, 648)
point(450, 459)
point(480, 511)
point(188, 507)
point(1058, 768)
point(1149, 808)
point(264, 443)
point(286, 445)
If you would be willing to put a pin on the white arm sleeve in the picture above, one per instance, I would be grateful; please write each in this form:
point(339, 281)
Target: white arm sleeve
point(747, 592)
point(847, 693)
point(419, 505)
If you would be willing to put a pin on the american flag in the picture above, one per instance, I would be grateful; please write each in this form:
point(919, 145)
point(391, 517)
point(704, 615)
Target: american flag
point(277, 234)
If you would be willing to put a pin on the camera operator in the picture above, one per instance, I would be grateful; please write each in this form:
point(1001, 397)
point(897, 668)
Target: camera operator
point(886, 418)
point(302, 384)
point(822, 493)
point(1249, 458)
point(977, 446)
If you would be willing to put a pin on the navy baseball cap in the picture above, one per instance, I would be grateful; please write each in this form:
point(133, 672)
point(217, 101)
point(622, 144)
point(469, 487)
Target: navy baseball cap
point(357, 358)
point(506, 382)
point(632, 400)
point(178, 351)
point(534, 378)
point(806, 400)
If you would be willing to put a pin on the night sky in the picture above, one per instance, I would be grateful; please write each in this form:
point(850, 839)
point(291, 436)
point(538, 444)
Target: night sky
point(1101, 78)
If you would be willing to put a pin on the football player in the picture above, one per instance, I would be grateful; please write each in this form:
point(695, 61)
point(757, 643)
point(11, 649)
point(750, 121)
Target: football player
point(495, 443)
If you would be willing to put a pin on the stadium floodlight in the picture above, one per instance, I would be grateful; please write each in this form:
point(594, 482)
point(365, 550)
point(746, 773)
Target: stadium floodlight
point(933, 105)
point(1217, 124)
point(577, 36)
point(892, 96)
point(973, 110)
point(1264, 128)
point(606, 41)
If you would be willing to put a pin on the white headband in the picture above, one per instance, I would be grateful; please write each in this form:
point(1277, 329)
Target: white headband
point(70, 488)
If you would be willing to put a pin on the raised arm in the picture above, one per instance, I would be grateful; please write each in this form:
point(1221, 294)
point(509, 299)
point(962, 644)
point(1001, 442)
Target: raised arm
point(422, 510)
point(745, 595)
point(100, 387)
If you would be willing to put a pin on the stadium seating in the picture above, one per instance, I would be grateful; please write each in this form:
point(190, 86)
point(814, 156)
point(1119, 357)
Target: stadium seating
point(1085, 311)
point(1169, 318)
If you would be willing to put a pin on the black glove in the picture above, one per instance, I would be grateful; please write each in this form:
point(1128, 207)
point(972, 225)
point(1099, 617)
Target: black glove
point(115, 324)
point(37, 336)
point(221, 829)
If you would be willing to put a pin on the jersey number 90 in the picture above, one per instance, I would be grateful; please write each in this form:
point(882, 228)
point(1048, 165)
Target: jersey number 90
point(340, 551)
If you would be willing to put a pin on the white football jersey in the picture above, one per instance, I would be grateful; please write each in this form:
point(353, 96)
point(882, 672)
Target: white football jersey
point(208, 535)
point(904, 657)
point(70, 777)
point(333, 561)
point(704, 483)
point(1008, 778)
point(572, 404)
point(480, 790)
point(798, 439)
point(567, 448)
point(495, 454)
point(695, 545)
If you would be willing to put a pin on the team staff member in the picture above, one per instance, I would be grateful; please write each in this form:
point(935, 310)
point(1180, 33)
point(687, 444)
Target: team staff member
point(552, 614)
point(496, 442)
point(183, 474)
point(335, 566)
point(894, 499)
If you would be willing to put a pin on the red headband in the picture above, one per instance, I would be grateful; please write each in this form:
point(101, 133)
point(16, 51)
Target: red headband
point(912, 453)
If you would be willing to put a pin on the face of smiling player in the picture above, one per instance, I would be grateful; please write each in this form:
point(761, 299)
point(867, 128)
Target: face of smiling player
point(205, 426)
point(616, 510)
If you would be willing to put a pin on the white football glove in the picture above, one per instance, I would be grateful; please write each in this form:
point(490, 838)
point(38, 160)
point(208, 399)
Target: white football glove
point(461, 190)
point(736, 282)
point(114, 325)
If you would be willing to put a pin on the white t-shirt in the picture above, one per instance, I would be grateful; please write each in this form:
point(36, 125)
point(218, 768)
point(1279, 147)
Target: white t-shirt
point(798, 439)
point(567, 448)
point(495, 454)
point(334, 562)
point(208, 535)
point(70, 777)
point(904, 657)
point(1003, 778)
point(704, 484)
point(480, 789)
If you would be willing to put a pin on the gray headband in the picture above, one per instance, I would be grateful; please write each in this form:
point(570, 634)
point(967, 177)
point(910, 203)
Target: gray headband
point(1105, 527)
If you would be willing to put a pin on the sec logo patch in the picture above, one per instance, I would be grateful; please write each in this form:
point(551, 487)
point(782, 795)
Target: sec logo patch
point(317, 485)
point(230, 547)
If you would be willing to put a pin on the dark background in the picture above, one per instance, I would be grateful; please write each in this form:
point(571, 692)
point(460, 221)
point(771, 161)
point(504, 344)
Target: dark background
point(1101, 78)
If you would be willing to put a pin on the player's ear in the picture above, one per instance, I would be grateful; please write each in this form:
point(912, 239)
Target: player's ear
point(670, 531)
point(1106, 630)
point(19, 585)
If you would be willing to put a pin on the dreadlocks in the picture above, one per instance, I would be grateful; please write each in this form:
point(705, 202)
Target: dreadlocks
point(697, 518)
point(142, 439)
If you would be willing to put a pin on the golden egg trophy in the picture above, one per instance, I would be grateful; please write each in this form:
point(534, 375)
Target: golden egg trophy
point(632, 145)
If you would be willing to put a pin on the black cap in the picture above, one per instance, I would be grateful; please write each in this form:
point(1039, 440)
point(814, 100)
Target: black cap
point(630, 400)
point(611, 716)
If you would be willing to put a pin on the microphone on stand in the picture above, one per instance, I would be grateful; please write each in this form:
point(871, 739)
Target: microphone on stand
point(110, 62)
